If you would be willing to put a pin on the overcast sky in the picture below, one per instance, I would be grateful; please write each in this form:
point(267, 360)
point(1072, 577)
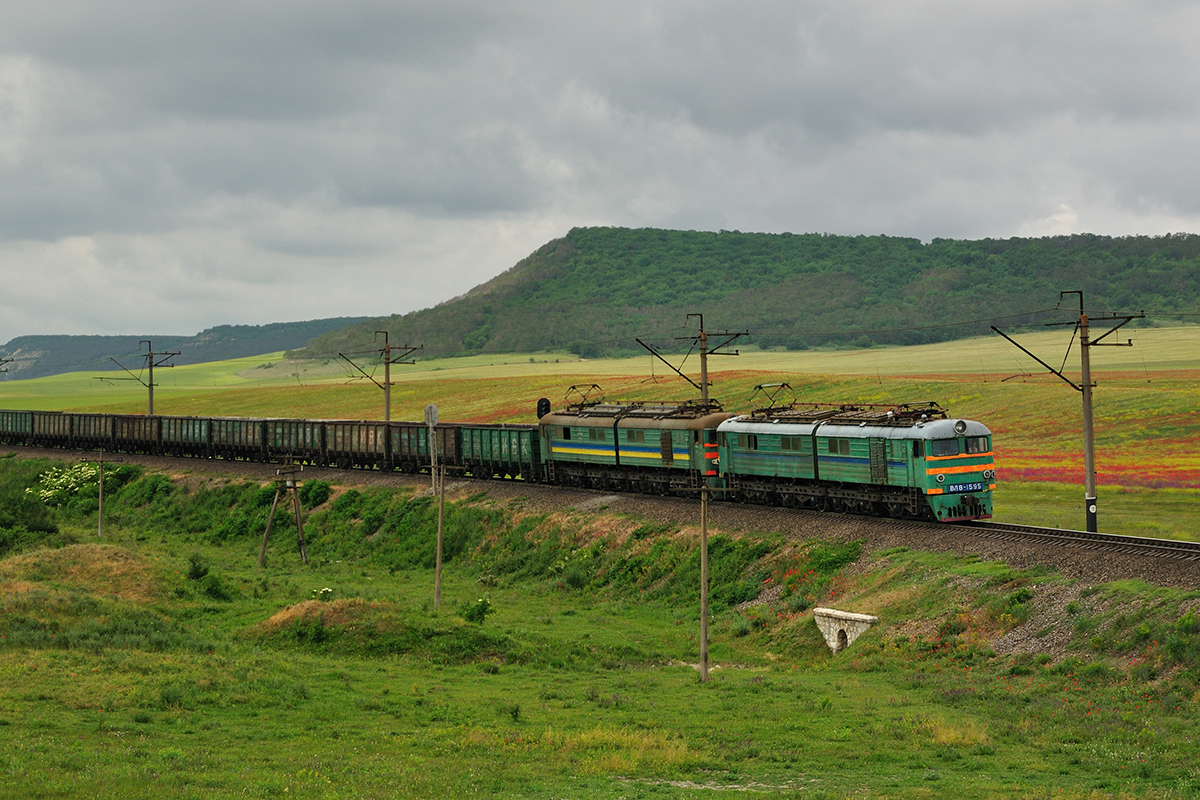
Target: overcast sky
point(170, 166)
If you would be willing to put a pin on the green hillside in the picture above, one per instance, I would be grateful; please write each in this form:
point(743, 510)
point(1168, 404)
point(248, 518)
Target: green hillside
point(596, 288)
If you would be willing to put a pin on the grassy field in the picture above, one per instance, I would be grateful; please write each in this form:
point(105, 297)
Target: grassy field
point(1147, 405)
point(162, 662)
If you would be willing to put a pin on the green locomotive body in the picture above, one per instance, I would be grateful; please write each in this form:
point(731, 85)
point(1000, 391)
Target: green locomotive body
point(903, 461)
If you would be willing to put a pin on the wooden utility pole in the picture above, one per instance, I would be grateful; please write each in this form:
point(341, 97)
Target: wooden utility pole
point(709, 474)
point(439, 485)
point(286, 482)
point(437, 587)
point(703, 583)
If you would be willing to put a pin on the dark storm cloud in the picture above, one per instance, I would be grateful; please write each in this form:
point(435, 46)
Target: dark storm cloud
point(185, 161)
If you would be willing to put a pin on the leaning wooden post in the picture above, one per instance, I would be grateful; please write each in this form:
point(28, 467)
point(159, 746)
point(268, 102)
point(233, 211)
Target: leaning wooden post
point(299, 524)
point(286, 482)
point(262, 551)
point(100, 523)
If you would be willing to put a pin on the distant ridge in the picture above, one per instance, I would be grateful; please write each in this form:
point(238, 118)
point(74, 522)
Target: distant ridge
point(39, 356)
point(595, 289)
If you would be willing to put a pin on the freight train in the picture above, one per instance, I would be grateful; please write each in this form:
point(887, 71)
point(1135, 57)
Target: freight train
point(905, 461)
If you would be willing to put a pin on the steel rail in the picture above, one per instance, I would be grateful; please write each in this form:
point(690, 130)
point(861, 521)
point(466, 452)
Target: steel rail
point(1108, 542)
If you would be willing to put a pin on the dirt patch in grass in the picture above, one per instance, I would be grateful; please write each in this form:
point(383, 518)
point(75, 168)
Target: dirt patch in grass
point(336, 612)
point(1048, 630)
point(17, 587)
point(97, 568)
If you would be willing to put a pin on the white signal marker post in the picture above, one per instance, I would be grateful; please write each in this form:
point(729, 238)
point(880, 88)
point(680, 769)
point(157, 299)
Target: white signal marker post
point(431, 417)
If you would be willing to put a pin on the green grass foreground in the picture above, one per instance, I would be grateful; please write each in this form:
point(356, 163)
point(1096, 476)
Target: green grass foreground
point(162, 662)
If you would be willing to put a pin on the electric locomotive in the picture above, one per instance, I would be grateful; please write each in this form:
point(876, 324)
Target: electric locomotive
point(653, 447)
point(905, 461)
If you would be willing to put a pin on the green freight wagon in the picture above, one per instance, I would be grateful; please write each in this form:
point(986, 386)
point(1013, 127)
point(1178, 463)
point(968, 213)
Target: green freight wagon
point(137, 434)
point(187, 436)
point(16, 427)
point(409, 443)
point(301, 441)
point(238, 438)
point(505, 451)
point(92, 431)
point(51, 429)
point(356, 443)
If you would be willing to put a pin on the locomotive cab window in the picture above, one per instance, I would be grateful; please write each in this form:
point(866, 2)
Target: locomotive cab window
point(747, 441)
point(635, 436)
point(839, 447)
point(977, 444)
point(944, 447)
point(566, 434)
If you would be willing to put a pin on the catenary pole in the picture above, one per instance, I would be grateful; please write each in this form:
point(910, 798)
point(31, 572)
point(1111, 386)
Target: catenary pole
point(1089, 454)
point(1082, 324)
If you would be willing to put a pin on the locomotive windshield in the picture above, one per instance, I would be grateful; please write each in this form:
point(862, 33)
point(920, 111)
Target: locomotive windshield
point(977, 444)
point(944, 447)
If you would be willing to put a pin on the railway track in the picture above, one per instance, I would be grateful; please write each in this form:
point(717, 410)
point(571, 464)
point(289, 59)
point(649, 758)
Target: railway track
point(1106, 542)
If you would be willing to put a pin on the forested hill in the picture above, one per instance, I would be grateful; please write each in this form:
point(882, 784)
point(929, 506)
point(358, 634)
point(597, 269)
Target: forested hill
point(596, 288)
point(38, 356)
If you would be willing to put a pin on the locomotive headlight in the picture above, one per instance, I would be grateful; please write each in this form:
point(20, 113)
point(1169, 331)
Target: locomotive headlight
point(989, 473)
point(941, 478)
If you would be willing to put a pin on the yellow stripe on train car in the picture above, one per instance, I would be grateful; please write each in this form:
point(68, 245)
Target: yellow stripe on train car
point(582, 451)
